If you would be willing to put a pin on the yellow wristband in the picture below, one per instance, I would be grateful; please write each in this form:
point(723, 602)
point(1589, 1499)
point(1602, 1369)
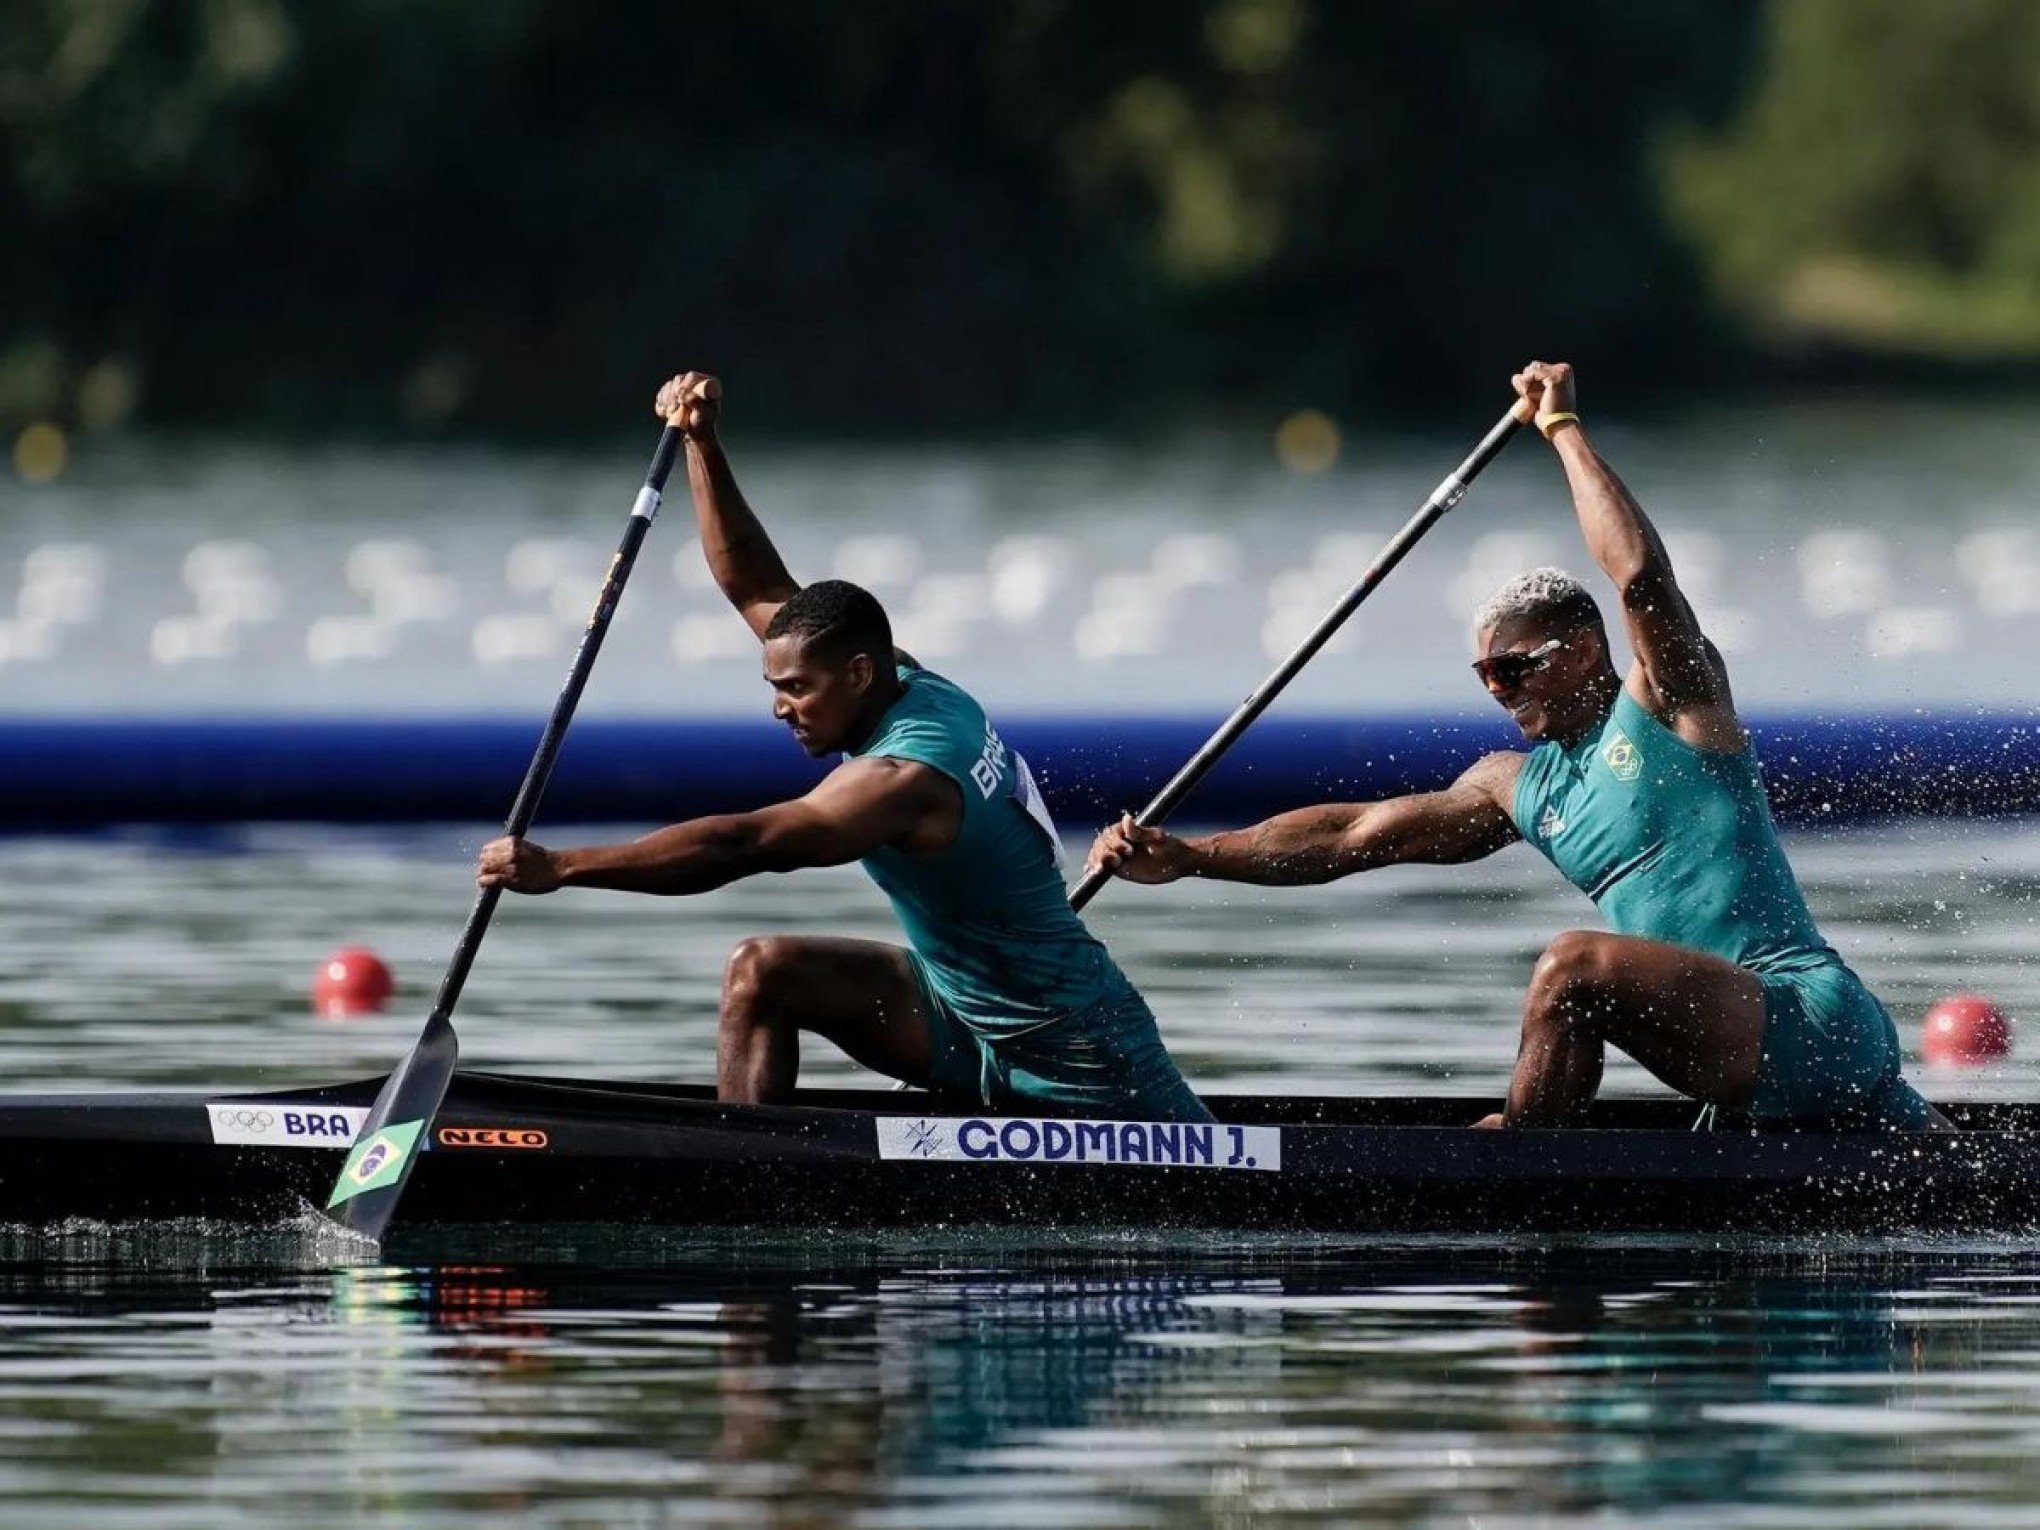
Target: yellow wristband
point(1547, 423)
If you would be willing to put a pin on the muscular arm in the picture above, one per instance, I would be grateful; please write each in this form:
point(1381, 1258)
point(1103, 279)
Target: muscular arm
point(741, 557)
point(1679, 675)
point(859, 807)
point(1663, 632)
point(746, 566)
point(1467, 820)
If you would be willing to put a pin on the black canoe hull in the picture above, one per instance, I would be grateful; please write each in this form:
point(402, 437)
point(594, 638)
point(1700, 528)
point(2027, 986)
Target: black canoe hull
point(528, 1151)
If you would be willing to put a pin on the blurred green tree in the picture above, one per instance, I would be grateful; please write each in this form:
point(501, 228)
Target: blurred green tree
point(900, 215)
point(1881, 188)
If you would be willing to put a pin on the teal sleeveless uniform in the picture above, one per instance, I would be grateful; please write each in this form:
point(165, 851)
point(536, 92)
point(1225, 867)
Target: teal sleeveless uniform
point(1023, 1003)
point(1675, 843)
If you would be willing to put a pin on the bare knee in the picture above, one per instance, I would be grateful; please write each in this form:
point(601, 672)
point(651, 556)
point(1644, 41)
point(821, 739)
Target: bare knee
point(757, 968)
point(1571, 979)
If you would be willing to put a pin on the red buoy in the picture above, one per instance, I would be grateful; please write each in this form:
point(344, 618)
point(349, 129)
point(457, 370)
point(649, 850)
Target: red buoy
point(1965, 1028)
point(352, 981)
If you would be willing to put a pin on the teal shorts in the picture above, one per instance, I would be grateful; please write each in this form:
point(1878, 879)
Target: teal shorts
point(1831, 1055)
point(1107, 1060)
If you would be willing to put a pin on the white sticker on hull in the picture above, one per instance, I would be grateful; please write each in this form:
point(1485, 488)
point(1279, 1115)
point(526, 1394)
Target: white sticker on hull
point(1016, 1139)
point(264, 1123)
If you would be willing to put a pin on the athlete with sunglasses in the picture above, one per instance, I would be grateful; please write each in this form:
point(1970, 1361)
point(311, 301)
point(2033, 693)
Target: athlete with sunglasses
point(1643, 790)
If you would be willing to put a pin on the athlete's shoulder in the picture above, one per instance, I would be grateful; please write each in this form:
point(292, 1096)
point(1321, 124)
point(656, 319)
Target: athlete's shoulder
point(940, 702)
point(886, 775)
point(1494, 776)
point(931, 683)
point(932, 723)
point(931, 695)
point(1710, 726)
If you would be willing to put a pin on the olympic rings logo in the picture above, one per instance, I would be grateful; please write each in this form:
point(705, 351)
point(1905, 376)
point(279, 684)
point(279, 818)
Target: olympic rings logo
point(246, 1120)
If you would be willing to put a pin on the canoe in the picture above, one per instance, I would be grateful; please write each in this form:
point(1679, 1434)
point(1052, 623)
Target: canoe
point(510, 1150)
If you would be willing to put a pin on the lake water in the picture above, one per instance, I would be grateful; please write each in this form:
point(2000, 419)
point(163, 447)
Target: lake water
point(948, 1385)
point(183, 1376)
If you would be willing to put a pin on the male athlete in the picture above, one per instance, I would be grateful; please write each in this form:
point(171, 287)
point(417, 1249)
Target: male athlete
point(1003, 997)
point(1644, 792)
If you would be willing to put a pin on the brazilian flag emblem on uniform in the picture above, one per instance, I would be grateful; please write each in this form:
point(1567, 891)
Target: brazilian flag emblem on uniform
point(1623, 759)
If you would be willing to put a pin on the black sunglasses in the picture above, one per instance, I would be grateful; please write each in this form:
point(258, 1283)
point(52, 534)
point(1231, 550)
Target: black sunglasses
point(1509, 668)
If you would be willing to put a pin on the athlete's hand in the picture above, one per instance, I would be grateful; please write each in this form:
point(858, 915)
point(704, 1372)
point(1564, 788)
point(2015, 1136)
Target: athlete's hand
point(692, 402)
point(1138, 854)
point(1548, 385)
point(517, 865)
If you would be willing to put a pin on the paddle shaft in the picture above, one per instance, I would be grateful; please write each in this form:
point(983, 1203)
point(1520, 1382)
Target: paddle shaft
point(376, 1171)
point(555, 731)
point(525, 808)
point(1448, 493)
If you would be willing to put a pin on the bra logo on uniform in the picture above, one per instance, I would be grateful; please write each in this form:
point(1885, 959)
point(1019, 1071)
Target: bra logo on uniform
point(986, 771)
point(1551, 825)
point(1623, 758)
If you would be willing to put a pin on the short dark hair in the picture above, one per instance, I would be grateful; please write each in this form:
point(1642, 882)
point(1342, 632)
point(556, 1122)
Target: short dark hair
point(837, 619)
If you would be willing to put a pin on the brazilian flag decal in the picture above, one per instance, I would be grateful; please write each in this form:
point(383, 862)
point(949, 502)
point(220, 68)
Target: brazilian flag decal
point(377, 1160)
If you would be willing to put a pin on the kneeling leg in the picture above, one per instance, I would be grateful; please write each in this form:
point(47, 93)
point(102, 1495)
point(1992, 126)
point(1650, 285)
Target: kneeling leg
point(860, 994)
point(1695, 1021)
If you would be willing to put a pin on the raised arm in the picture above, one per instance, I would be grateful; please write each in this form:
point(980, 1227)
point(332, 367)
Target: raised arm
point(1679, 675)
point(1467, 820)
point(746, 566)
point(860, 806)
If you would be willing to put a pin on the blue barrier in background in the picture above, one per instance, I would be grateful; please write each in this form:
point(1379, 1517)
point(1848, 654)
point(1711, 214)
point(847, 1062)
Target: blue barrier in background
point(67, 774)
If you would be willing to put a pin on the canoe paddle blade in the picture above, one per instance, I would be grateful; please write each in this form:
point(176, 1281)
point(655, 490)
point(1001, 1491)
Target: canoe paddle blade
point(379, 1164)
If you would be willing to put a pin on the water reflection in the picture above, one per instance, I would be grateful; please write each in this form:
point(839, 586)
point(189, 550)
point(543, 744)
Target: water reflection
point(626, 1381)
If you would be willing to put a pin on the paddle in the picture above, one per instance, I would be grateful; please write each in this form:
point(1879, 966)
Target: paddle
point(365, 1196)
point(1443, 498)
